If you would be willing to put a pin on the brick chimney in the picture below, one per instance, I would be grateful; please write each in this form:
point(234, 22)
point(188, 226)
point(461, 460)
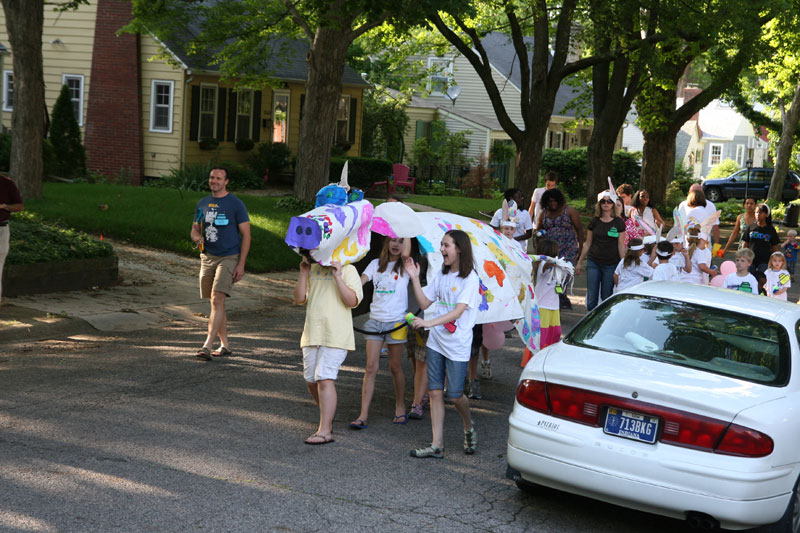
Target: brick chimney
point(113, 122)
point(688, 94)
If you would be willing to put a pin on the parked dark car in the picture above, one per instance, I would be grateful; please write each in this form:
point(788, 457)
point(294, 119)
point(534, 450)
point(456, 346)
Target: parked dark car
point(734, 186)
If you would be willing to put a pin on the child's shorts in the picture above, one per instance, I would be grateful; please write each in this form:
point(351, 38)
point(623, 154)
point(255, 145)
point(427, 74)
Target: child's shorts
point(322, 362)
point(416, 345)
point(395, 337)
point(456, 371)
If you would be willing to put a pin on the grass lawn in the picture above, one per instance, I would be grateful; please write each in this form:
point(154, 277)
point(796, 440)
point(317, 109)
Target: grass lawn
point(159, 218)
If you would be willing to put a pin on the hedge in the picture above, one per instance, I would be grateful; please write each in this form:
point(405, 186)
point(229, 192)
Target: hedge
point(363, 171)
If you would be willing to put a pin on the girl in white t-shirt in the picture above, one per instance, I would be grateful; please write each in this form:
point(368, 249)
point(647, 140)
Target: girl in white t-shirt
point(700, 258)
point(666, 270)
point(453, 297)
point(778, 278)
point(387, 311)
point(631, 269)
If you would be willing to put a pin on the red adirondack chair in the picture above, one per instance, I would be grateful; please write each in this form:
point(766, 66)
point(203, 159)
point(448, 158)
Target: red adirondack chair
point(401, 179)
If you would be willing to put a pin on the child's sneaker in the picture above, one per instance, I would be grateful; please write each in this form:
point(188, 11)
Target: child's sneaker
point(416, 412)
point(470, 441)
point(428, 451)
point(474, 390)
point(486, 369)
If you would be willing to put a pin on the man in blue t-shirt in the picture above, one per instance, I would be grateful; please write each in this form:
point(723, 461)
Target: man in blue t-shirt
point(221, 230)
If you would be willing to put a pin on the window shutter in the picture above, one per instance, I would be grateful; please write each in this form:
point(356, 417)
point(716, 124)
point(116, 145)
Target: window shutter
point(232, 117)
point(194, 117)
point(351, 135)
point(302, 105)
point(221, 93)
point(420, 130)
point(257, 115)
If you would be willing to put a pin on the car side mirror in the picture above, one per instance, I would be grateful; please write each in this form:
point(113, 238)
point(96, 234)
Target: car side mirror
point(733, 180)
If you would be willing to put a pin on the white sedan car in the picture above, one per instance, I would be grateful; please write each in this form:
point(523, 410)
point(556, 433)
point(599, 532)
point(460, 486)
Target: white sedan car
point(670, 398)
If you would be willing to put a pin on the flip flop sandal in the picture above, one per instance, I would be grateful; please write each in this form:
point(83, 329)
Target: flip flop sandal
point(203, 353)
point(358, 424)
point(222, 352)
point(400, 419)
point(324, 440)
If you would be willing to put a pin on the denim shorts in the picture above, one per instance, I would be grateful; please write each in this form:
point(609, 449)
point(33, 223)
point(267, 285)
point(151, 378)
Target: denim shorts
point(395, 337)
point(456, 373)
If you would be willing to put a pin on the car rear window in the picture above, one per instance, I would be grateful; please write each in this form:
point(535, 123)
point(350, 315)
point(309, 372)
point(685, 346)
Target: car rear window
point(696, 336)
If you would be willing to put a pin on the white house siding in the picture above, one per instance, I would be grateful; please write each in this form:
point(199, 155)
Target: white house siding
point(474, 98)
point(478, 136)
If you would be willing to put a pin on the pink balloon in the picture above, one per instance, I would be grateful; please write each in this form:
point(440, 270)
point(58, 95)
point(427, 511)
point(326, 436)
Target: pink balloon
point(727, 267)
point(493, 335)
point(717, 281)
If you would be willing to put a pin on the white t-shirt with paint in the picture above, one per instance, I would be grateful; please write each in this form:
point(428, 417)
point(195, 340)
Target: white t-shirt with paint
point(390, 297)
point(445, 291)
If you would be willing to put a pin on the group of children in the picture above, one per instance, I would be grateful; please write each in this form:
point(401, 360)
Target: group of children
point(674, 261)
point(453, 297)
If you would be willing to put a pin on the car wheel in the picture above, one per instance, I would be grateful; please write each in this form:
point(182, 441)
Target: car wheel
point(714, 194)
point(790, 521)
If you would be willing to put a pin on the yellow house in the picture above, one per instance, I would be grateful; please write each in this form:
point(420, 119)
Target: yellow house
point(146, 107)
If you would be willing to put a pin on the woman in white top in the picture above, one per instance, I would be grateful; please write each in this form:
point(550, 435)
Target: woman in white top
point(641, 210)
point(387, 311)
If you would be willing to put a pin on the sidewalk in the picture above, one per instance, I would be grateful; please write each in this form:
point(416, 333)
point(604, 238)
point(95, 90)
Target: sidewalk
point(156, 288)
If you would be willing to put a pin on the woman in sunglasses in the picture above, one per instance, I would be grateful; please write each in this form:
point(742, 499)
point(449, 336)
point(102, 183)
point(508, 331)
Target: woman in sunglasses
point(603, 249)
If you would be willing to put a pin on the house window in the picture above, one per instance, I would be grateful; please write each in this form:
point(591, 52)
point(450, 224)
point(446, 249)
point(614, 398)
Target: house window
point(343, 120)
point(714, 155)
point(208, 111)
point(8, 90)
point(244, 115)
point(161, 106)
point(740, 155)
point(556, 140)
point(280, 116)
point(441, 74)
point(75, 84)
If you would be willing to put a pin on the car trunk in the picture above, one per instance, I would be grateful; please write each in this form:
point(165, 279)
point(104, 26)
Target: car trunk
point(655, 382)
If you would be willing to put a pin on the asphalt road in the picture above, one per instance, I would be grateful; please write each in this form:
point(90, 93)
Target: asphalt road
point(128, 431)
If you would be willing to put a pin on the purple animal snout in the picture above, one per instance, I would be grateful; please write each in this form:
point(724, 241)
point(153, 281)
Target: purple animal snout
point(303, 232)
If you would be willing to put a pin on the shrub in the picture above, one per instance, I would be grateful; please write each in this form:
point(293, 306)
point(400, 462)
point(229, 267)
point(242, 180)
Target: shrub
point(479, 183)
point(571, 167)
point(192, 177)
point(683, 177)
point(272, 157)
point(35, 242)
point(363, 171)
point(241, 176)
point(48, 153)
point(674, 195)
point(627, 168)
point(65, 134)
point(725, 168)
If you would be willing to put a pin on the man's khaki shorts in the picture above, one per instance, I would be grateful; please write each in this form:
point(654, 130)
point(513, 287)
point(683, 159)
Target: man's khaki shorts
point(216, 274)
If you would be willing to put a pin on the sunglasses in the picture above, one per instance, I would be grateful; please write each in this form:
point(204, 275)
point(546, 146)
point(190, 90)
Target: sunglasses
point(606, 201)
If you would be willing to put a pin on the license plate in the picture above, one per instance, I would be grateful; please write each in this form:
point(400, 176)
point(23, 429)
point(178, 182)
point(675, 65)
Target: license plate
point(631, 425)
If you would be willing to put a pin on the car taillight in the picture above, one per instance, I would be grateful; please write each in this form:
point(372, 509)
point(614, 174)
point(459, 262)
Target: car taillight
point(747, 442)
point(795, 186)
point(533, 395)
point(678, 428)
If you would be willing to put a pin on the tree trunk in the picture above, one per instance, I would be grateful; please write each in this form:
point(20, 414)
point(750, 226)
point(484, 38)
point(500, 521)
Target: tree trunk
point(529, 160)
point(658, 163)
point(24, 21)
point(317, 130)
point(600, 155)
point(783, 151)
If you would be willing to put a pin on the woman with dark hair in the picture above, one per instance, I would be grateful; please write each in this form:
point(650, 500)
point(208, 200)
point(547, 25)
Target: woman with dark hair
point(762, 238)
point(743, 221)
point(604, 247)
point(562, 224)
point(641, 209)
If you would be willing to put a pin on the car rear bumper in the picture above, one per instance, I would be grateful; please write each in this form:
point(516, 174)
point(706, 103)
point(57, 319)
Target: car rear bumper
point(661, 479)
